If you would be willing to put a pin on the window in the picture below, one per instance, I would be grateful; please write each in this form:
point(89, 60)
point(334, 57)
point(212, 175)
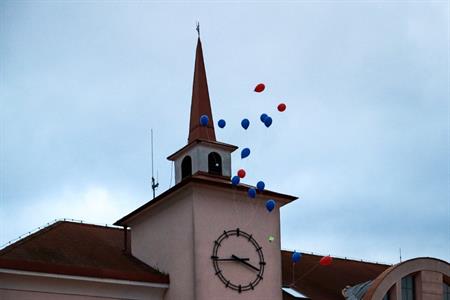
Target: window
point(186, 167)
point(446, 292)
point(386, 297)
point(214, 163)
point(408, 288)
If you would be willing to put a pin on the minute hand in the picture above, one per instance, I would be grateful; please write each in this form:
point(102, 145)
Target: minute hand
point(244, 262)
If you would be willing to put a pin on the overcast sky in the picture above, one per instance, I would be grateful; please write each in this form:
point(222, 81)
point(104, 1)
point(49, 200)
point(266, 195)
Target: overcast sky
point(364, 141)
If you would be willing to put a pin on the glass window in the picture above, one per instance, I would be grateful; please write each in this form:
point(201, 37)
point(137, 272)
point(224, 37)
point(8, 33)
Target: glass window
point(408, 288)
point(446, 291)
point(386, 297)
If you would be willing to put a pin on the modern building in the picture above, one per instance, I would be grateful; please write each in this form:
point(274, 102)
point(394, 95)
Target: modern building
point(421, 278)
point(202, 239)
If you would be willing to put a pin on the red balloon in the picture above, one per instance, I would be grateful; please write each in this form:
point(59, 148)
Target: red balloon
point(260, 87)
point(241, 173)
point(281, 107)
point(326, 261)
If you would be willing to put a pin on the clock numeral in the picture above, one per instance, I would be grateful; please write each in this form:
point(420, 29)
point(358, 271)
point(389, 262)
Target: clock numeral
point(227, 284)
point(239, 288)
point(260, 277)
point(226, 233)
point(263, 263)
point(259, 248)
point(217, 243)
point(251, 285)
point(214, 257)
point(237, 231)
point(250, 237)
point(218, 272)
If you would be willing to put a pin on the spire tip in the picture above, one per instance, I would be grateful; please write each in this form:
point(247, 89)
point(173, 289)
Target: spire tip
point(198, 29)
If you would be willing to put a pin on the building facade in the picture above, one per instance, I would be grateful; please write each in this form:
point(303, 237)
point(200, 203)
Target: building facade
point(202, 239)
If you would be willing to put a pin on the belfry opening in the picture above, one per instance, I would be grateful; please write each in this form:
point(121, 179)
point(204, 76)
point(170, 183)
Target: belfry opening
point(214, 164)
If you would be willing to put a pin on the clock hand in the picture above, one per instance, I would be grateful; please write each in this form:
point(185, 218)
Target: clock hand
point(242, 260)
point(226, 259)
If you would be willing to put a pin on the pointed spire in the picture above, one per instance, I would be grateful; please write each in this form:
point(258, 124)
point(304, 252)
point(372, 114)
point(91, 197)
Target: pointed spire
point(200, 101)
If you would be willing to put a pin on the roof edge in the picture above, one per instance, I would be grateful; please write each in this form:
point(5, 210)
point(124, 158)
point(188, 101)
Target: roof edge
point(85, 278)
point(39, 267)
point(49, 226)
point(215, 144)
point(340, 258)
point(203, 179)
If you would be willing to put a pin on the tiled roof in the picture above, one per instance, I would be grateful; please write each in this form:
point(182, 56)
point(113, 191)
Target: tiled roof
point(326, 282)
point(68, 248)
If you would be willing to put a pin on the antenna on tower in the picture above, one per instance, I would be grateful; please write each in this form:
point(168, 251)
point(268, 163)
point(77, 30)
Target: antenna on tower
point(155, 183)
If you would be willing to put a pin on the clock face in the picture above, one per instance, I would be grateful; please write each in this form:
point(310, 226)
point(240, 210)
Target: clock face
point(238, 260)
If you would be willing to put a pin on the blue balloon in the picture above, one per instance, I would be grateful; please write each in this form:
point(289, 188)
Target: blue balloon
point(204, 120)
point(270, 205)
point(296, 256)
point(221, 123)
point(245, 152)
point(260, 186)
point(263, 117)
point(251, 192)
point(245, 123)
point(235, 180)
point(268, 121)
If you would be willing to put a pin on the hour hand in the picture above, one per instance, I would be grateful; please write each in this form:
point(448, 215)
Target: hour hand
point(244, 261)
point(216, 258)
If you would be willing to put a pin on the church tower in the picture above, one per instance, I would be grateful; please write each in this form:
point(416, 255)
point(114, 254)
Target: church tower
point(205, 233)
point(202, 154)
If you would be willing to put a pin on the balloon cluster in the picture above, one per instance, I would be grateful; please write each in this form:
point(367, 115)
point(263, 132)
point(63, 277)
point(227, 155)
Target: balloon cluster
point(245, 152)
point(260, 185)
point(266, 120)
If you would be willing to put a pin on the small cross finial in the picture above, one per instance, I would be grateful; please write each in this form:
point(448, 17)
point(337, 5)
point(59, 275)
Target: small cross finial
point(198, 29)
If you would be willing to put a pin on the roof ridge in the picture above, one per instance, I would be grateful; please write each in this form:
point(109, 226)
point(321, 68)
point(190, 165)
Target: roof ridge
point(342, 258)
point(79, 222)
point(48, 226)
point(29, 237)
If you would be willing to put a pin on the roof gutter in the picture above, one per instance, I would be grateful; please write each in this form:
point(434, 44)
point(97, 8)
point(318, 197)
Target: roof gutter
point(85, 278)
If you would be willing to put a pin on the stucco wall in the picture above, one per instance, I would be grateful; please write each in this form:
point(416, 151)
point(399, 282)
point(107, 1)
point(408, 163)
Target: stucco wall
point(177, 235)
point(163, 238)
point(26, 287)
point(218, 209)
